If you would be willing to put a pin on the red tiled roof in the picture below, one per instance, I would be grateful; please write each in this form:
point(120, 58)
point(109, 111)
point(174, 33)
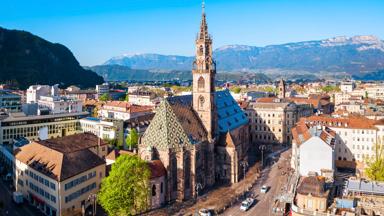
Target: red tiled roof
point(266, 99)
point(114, 154)
point(128, 106)
point(349, 122)
point(314, 102)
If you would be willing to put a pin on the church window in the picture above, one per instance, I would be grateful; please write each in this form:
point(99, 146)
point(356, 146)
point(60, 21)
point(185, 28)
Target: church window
point(154, 190)
point(201, 102)
point(200, 83)
point(161, 187)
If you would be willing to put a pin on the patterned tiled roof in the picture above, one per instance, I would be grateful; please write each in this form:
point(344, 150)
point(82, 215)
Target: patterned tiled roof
point(174, 126)
point(177, 125)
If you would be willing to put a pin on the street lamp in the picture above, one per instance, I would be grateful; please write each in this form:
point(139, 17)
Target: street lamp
point(198, 187)
point(93, 198)
point(244, 164)
point(262, 148)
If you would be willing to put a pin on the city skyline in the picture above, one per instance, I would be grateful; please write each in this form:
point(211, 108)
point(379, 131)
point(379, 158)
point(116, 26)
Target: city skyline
point(98, 31)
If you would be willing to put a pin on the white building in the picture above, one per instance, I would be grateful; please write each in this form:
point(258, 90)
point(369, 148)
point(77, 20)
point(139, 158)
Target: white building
point(347, 86)
point(313, 150)
point(356, 138)
point(105, 129)
point(102, 89)
point(143, 98)
point(58, 104)
point(34, 92)
point(122, 110)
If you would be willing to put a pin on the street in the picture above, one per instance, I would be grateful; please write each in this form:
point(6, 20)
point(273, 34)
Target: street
point(12, 209)
point(272, 177)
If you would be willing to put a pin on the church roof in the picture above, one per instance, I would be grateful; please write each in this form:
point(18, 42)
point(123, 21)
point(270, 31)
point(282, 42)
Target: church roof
point(177, 125)
point(229, 113)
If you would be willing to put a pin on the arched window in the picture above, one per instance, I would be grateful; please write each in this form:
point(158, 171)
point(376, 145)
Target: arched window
point(201, 50)
point(201, 102)
point(201, 83)
point(154, 190)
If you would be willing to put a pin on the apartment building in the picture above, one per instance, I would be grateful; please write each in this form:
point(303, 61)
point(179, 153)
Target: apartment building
point(16, 125)
point(9, 101)
point(356, 138)
point(143, 98)
point(105, 129)
point(58, 104)
point(34, 92)
point(313, 150)
point(58, 175)
point(271, 119)
point(102, 89)
point(123, 110)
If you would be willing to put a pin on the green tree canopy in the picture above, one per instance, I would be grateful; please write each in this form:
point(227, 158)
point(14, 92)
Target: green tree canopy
point(375, 169)
point(236, 90)
point(132, 139)
point(104, 97)
point(330, 88)
point(125, 191)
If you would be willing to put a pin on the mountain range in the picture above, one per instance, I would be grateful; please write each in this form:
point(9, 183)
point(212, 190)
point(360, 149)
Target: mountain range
point(119, 72)
point(26, 59)
point(352, 55)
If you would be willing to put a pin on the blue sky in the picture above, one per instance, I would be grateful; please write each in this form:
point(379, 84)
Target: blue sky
point(96, 30)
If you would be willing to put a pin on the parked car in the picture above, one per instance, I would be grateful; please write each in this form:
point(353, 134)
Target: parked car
point(204, 212)
point(246, 204)
point(264, 189)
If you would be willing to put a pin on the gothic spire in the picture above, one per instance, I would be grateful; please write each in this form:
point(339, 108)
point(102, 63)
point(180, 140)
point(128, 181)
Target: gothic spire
point(203, 26)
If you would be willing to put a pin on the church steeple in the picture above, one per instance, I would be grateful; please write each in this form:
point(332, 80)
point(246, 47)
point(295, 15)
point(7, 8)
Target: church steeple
point(203, 72)
point(203, 26)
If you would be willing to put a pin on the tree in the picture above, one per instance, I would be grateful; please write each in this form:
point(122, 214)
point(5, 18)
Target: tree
point(104, 97)
point(327, 89)
point(375, 169)
point(132, 139)
point(236, 90)
point(126, 190)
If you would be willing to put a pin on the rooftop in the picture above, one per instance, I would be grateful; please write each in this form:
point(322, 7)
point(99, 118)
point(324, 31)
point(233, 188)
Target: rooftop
point(314, 185)
point(22, 117)
point(73, 143)
point(364, 186)
point(60, 158)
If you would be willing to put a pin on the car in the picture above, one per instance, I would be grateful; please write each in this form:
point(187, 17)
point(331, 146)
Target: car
point(204, 212)
point(264, 189)
point(246, 204)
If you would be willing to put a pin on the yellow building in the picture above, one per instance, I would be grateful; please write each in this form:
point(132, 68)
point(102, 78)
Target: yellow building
point(58, 175)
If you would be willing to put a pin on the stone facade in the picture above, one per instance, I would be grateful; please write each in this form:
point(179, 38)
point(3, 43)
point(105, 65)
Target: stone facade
point(271, 119)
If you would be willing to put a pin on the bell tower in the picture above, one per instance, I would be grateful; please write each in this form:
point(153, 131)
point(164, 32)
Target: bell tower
point(282, 88)
point(203, 73)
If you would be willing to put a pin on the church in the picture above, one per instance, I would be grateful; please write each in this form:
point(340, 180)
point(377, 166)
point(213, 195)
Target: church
point(200, 139)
